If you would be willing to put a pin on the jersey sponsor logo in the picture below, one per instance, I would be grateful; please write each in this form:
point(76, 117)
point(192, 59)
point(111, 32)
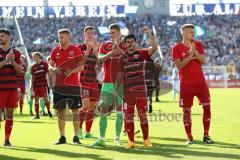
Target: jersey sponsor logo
point(39, 71)
point(71, 53)
point(136, 56)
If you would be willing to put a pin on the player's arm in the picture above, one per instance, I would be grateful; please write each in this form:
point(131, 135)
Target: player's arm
point(106, 57)
point(181, 63)
point(153, 42)
point(54, 69)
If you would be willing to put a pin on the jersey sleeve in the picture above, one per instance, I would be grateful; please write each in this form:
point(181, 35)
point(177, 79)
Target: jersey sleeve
point(145, 54)
point(53, 55)
point(103, 49)
point(175, 54)
point(17, 57)
point(78, 52)
point(200, 48)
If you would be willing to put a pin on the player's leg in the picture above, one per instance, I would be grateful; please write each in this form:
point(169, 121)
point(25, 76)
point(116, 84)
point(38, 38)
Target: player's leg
point(150, 94)
point(21, 99)
point(59, 104)
point(30, 102)
point(94, 100)
point(186, 102)
point(89, 118)
point(119, 116)
point(128, 110)
point(204, 98)
point(105, 103)
point(141, 103)
point(11, 103)
point(75, 106)
point(157, 90)
point(42, 105)
point(36, 108)
point(61, 124)
point(82, 115)
point(8, 125)
point(47, 103)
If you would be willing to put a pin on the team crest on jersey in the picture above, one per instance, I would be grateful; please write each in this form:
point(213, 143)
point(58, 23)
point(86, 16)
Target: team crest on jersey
point(136, 56)
point(71, 53)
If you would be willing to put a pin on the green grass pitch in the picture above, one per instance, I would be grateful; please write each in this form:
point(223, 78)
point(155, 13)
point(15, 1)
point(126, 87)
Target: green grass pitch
point(34, 139)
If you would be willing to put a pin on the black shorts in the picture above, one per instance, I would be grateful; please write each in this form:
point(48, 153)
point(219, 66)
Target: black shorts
point(63, 100)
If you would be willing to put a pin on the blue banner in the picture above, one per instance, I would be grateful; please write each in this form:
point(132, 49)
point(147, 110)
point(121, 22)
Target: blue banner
point(69, 11)
point(204, 9)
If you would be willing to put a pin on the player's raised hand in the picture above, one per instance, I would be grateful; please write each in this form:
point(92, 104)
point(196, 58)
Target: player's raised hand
point(146, 30)
point(95, 47)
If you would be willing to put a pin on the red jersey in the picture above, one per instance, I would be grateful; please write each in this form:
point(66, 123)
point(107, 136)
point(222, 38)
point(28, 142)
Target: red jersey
point(8, 75)
point(133, 68)
point(21, 76)
point(60, 57)
point(39, 73)
point(111, 67)
point(88, 75)
point(192, 72)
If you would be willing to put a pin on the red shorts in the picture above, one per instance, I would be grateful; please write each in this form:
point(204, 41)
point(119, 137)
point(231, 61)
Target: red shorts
point(9, 99)
point(90, 91)
point(22, 87)
point(40, 92)
point(187, 93)
point(130, 100)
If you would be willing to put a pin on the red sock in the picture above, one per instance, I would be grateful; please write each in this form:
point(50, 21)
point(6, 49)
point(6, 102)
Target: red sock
point(89, 121)
point(144, 123)
point(8, 128)
point(48, 106)
point(82, 117)
point(37, 109)
point(21, 105)
point(187, 122)
point(206, 119)
point(129, 125)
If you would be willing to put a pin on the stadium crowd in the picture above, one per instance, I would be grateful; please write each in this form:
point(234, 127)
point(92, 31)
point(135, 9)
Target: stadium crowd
point(221, 37)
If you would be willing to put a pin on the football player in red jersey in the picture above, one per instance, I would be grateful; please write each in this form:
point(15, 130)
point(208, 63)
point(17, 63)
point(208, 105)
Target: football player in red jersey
point(39, 71)
point(189, 55)
point(10, 66)
point(132, 73)
point(65, 94)
point(88, 81)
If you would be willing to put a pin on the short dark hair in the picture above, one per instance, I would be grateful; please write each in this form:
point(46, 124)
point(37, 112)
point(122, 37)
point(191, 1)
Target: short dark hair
point(131, 36)
point(186, 26)
point(39, 54)
point(114, 26)
point(5, 31)
point(88, 28)
point(64, 31)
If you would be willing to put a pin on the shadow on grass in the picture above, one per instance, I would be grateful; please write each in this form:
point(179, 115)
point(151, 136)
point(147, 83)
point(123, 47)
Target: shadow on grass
point(33, 121)
point(216, 143)
point(169, 151)
point(59, 153)
point(5, 157)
